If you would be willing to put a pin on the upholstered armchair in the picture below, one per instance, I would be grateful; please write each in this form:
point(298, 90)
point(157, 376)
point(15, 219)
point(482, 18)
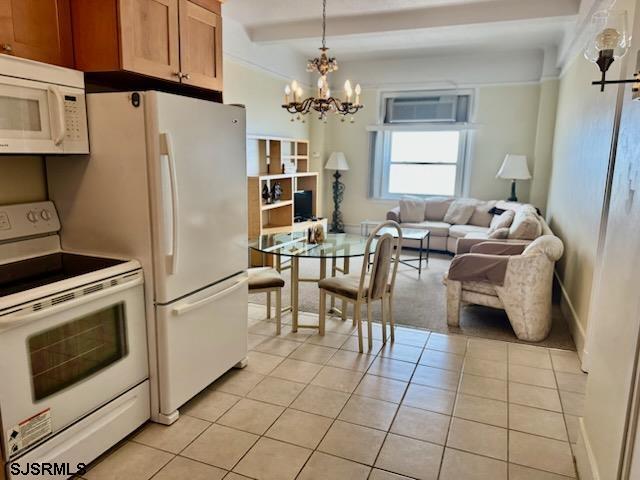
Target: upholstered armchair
point(517, 278)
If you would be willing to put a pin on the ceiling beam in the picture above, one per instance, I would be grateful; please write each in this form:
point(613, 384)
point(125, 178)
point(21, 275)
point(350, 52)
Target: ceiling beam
point(491, 11)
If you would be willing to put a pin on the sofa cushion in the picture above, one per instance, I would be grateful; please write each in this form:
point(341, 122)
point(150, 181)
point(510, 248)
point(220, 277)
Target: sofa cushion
point(504, 220)
point(460, 211)
point(436, 208)
point(461, 231)
point(500, 233)
point(437, 229)
point(411, 210)
point(526, 225)
point(481, 216)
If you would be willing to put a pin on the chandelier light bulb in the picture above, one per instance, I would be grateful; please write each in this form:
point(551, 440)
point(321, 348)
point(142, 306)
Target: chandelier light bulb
point(608, 39)
point(299, 92)
point(287, 95)
point(294, 85)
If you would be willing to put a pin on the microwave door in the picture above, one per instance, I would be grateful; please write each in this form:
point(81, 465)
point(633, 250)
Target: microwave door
point(31, 117)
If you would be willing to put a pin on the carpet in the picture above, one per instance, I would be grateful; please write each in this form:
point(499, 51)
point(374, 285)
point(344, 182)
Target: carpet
point(420, 302)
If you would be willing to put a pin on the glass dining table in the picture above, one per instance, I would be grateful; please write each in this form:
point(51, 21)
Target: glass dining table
point(294, 246)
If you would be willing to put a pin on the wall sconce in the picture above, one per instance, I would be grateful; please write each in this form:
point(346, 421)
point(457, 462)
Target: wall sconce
point(609, 41)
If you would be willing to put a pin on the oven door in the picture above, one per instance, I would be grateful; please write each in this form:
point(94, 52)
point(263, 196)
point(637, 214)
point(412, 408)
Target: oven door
point(65, 356)
point(37, 117)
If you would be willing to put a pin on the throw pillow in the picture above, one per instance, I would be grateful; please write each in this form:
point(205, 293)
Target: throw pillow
point(504, 220)
point(459, 212)
point(436, 208)
point(481, 215)
point(500, 234)
point(526, 225)
point(411, 210)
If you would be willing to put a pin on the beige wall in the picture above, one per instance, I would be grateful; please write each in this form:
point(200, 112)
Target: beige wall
point(584, 125)
point(507, 121)
point(543, 151)
point(262, 93)
point(22, 179)
point(507, 117)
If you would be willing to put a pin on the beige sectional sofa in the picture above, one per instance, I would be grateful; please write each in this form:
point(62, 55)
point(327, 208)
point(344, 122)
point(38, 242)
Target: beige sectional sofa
point(444, 235)
point(503, 260)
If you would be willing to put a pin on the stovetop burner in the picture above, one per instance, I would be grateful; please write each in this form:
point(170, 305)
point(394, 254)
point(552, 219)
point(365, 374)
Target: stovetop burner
point(35, 272)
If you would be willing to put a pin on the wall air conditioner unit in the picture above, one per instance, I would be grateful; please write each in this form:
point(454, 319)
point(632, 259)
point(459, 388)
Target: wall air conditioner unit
point(427, 109)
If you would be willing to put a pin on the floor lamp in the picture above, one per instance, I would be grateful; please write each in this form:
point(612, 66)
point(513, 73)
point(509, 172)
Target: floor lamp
point(337, 162)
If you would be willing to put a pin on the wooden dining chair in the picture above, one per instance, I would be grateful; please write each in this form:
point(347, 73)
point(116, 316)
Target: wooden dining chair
point(268, 280)
point(378, 284)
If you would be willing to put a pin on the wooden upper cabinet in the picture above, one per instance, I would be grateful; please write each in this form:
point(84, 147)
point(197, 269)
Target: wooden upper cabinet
point(149, 37)
point(37, 29)
point(200, 46)
point(176, 40)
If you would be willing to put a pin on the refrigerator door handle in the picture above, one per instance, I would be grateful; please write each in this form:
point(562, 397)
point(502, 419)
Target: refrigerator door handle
point(166, 148)
point(200, 303)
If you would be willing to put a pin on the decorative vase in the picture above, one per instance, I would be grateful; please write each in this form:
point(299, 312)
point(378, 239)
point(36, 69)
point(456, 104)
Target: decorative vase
point(265, 194)
point(276, 192)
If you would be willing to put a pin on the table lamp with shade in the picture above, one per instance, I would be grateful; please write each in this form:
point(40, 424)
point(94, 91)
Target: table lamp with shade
point(514, 167)
point(338, 162)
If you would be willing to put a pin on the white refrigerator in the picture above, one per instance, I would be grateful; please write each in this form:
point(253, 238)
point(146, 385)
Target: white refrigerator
point(165, 183)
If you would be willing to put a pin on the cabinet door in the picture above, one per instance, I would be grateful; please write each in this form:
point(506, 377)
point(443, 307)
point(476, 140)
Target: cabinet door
point(149, 37)
point(200, 46)
point(37, 29)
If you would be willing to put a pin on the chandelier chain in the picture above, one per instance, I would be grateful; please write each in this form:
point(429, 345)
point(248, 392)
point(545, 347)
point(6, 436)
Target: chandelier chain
point(324, 23)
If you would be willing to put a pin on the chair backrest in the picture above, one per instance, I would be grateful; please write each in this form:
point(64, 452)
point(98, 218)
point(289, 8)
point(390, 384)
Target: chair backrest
point(385, 260)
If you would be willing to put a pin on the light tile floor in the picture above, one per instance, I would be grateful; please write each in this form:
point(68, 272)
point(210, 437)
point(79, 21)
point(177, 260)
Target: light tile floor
point(430, 406)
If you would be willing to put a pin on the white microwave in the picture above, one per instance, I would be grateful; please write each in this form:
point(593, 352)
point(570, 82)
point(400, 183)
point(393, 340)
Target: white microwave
point(42, 108)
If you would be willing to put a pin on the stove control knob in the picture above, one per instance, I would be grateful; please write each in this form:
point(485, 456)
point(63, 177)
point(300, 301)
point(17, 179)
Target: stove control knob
point(45, 215)
point(32, 217)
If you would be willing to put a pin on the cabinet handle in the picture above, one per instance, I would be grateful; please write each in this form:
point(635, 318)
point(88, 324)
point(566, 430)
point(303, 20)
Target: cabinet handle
point(7, 48)
point(186, 76)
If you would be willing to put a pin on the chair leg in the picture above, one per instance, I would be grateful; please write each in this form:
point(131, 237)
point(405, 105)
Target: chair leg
point(383, 304)
point(323, 312)
point(278, 311)
point(392, 323)
point(358, 322)
point(369, 327)
point(268, 304)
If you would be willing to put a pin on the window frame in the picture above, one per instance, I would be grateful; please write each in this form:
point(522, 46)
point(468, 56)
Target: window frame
point(381, 145)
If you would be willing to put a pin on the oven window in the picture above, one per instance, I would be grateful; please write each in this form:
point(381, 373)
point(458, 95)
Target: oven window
point(73, 351)
point(20, 114)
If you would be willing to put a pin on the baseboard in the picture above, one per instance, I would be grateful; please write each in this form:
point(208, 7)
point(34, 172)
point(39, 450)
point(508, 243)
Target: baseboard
point(585, 460)
point(575, 327)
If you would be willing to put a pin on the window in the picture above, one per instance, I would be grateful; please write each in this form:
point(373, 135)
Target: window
point(420, 148)
point(424, 163)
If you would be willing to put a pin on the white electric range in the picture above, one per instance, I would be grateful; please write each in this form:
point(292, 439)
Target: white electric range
point(73, 347)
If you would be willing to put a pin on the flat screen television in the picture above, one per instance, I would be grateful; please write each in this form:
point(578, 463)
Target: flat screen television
point(303, 205)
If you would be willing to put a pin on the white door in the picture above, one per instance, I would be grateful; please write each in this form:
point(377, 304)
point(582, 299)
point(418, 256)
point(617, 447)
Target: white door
point(199, 338)
point(201, 180)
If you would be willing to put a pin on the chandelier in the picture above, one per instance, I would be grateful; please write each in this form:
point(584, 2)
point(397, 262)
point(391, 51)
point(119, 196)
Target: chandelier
point(323, 102)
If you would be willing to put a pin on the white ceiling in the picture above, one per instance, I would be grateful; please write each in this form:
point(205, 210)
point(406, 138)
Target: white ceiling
point(252, 13)
point(369, 28)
